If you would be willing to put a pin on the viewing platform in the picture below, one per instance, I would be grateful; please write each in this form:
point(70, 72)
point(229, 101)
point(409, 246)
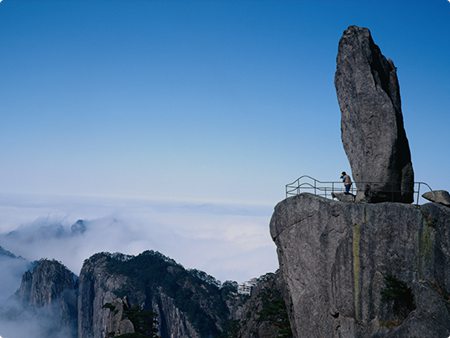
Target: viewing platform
point(326, 189)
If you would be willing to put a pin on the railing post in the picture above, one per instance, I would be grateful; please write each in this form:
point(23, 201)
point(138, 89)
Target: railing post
point(418, 193)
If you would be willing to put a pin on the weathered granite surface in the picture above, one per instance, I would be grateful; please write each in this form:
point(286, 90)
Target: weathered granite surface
point(372, 128)
point(339, 259)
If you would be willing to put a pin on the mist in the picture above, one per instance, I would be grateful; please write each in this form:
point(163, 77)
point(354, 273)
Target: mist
point(228, 241)
point(18, 321)
point(12, 270)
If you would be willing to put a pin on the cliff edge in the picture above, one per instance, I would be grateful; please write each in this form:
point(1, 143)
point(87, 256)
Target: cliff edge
point(364, 270)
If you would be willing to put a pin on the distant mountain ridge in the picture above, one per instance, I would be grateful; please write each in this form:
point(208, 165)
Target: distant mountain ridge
point(6, 253)
point(148, 295)
point(49, 230)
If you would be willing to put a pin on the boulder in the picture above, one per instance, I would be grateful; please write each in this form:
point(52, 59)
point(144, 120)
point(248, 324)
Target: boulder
point(343, 197)
point(372, 128)
point(438, 196)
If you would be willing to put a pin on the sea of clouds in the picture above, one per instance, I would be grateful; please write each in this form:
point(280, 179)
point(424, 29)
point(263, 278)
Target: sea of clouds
point(230, 242)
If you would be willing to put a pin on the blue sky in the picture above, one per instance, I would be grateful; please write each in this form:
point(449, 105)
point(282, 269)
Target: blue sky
point(202, 100)
point(183, 120)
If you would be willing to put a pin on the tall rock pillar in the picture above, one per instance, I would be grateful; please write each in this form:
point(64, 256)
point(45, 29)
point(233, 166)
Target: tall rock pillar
point(372, 129)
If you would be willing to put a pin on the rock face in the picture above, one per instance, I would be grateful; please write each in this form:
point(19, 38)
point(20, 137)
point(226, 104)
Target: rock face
point(50, 290)
point(148, 295)
point(116, 290)
point(372, 122)
point(364, 270)
point(438, 196)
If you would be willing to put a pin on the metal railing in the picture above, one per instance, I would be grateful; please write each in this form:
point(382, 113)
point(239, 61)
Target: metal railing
point(307, 183)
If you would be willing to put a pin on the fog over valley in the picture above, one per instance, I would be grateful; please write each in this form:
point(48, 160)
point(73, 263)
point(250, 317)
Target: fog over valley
point(227, 241)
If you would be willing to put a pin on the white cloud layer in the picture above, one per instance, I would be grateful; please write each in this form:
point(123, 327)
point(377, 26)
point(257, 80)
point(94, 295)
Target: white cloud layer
point(227, 241)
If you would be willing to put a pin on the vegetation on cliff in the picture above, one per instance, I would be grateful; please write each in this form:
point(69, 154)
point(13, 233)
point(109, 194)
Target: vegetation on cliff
point(194, 295)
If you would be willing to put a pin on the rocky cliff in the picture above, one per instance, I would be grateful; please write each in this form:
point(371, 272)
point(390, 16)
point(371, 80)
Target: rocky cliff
point(148, 295)
point(116, 290)
point(49, 290)
point(364, 270)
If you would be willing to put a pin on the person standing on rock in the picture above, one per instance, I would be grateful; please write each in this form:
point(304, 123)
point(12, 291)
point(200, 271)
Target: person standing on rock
point(347, 181)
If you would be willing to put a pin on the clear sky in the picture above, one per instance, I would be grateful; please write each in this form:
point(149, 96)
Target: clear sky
point(202, 100)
